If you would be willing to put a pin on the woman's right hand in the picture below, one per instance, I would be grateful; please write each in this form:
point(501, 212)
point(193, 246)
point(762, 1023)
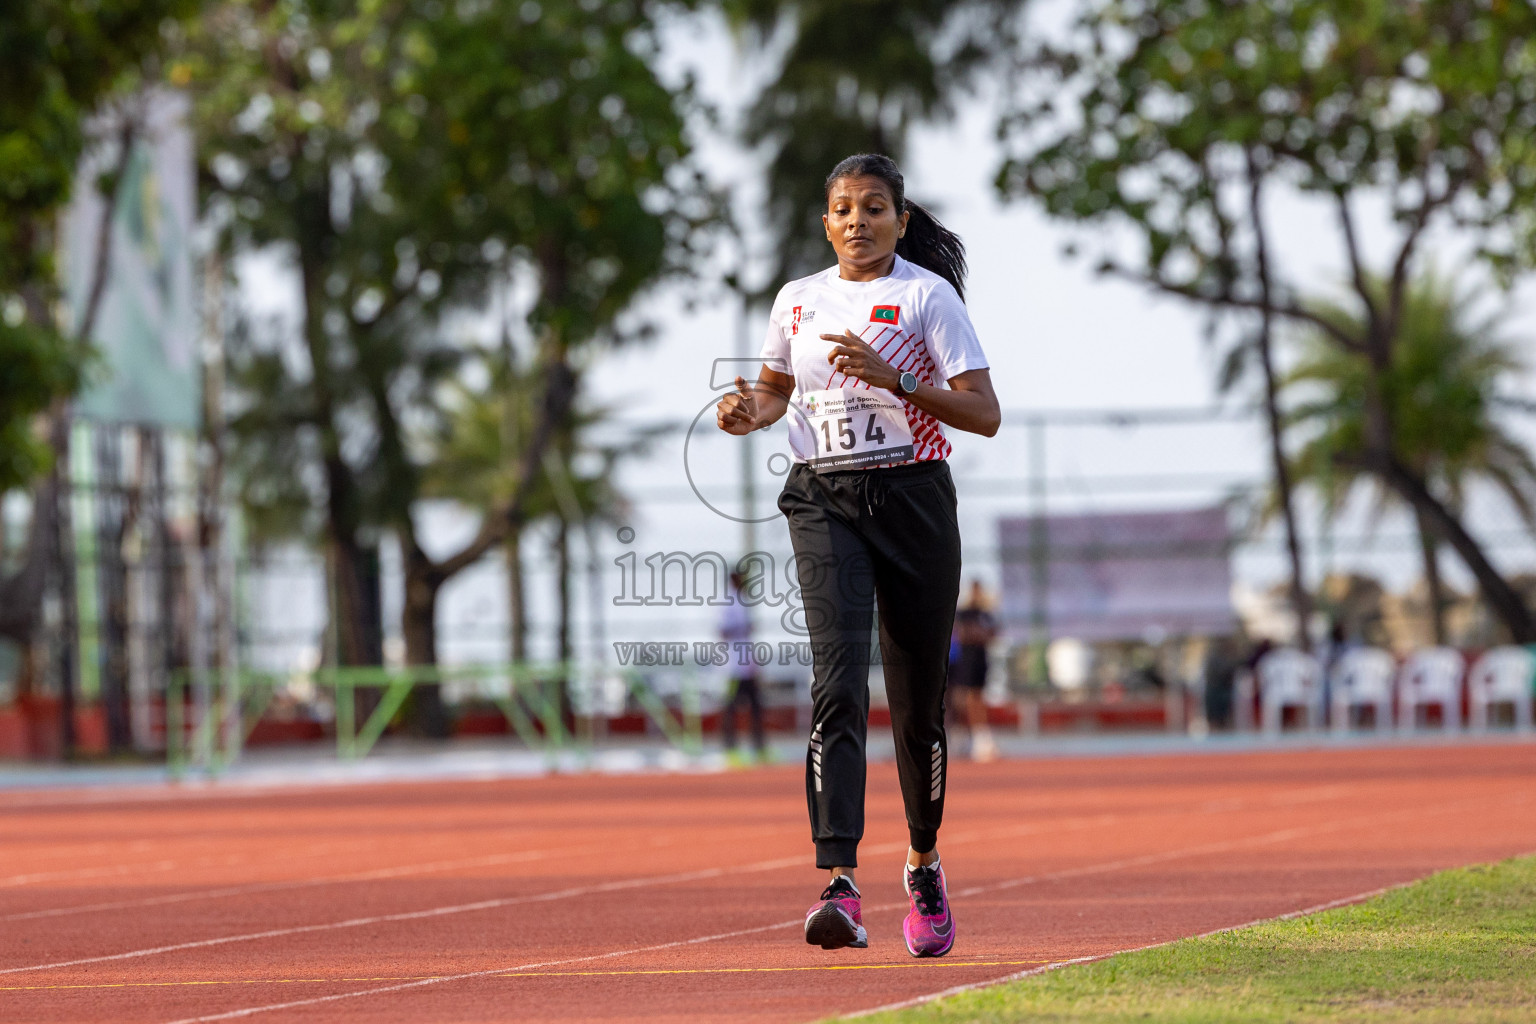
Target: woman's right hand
point(737, 411)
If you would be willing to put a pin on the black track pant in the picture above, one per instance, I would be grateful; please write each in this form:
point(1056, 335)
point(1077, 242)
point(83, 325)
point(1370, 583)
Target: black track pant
point(862, 536)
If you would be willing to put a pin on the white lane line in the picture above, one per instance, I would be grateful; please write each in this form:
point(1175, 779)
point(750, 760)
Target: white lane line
point(1054, 827)
point(252, 1010)
point(1319, 792)
point(1280, 835)
point(1057, 965)
point(300, 883)
point(1323, 792)
point(257, 887)
point(490, 905)
point(417, 915)
point(109, 870)
point(101, 871)
point(1094, 869)
point(1269, 837)
point(303, 883)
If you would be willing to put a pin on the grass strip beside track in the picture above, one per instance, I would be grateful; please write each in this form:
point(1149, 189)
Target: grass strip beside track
point(1458, 946)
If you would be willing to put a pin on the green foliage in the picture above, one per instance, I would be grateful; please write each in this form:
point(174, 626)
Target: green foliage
point(476, 456)
point(35, 369)
point(407, 157)
point(854, 79)
point(1442, 387)
point(1168, 120)
point(1149, 116)
point(58, 60)
point(1458, 946)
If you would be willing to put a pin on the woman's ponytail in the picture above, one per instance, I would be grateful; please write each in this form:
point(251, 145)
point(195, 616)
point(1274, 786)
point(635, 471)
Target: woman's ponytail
point(933, 247)
point(927, 243)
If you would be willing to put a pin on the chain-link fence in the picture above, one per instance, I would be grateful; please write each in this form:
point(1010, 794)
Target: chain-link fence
point(154, 593)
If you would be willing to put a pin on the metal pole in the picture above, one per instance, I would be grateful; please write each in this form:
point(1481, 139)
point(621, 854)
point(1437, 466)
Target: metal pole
point(218, 577)
point(1039, 554)
point(114, 514)
point(592, 674)
point(65, 555)
point(168, 552)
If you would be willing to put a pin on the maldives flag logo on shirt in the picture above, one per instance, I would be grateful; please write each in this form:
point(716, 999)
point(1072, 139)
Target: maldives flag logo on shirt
point(885, 315)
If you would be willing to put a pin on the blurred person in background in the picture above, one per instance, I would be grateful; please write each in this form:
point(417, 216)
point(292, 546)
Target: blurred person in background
point(736, 629)
point(1223, 660)
point(880, 353)
point(975, 629)
point(1328, 658)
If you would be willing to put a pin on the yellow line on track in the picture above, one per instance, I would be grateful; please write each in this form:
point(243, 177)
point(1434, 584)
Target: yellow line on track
point(772, 970)
point(523, 974)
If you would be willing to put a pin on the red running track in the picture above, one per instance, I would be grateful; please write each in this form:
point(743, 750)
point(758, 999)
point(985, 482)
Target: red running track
point(679, 897)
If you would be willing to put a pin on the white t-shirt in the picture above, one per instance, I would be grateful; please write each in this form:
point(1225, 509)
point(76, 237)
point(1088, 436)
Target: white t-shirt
point(912, 317)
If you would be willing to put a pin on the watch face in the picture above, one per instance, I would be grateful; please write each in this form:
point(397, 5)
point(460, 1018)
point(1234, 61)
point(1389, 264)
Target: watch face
point(908, 382)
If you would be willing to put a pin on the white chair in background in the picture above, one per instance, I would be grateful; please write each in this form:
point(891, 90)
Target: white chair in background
point(1429, 677)
point(1363, 679)
point(1501, 676)
point(1289, 678)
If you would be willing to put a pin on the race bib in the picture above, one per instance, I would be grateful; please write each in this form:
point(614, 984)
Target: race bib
point(856, 427)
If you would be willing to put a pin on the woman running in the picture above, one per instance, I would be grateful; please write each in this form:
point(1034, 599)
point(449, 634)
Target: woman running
point(866, 349)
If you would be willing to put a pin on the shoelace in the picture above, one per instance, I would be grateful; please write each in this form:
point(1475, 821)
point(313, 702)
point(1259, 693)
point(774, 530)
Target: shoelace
point(926, 892)
point(839, 890)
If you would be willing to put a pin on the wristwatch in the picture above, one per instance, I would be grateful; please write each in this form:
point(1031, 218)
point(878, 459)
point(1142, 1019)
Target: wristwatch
point(908, 383)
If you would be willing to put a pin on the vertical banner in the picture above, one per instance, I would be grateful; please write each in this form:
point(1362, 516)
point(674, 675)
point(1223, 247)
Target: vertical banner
point(146, 329)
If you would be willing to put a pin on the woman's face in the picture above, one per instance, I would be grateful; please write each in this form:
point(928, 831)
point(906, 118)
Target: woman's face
point(862, 223)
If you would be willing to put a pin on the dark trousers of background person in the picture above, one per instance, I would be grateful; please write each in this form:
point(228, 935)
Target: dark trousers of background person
point(862, 537)
point(743, 691)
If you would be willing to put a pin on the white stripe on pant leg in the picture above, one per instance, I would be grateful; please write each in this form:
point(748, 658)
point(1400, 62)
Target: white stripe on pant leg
point(816, 755)
point(938, 773)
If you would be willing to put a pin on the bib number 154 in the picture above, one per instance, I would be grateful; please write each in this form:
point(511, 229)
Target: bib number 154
point(847, 439)
point(857, 427)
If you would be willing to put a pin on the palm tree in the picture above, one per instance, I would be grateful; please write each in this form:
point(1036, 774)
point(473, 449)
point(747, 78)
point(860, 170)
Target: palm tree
point(476, 463)
point(1442, 393)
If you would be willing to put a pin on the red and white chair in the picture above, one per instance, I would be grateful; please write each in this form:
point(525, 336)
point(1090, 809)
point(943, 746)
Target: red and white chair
point(1430, 677)
point(1289, 678)
point(1501, 676)
point(1362, 679)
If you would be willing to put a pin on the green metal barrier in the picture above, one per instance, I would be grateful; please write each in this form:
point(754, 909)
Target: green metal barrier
point(530, 702)
point(209, 747)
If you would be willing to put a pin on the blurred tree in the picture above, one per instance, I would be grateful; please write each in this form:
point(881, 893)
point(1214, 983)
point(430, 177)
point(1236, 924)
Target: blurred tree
point(476, 462)
point(60, 60)
point(853, 78)
point(1172, 117)
point(401, 156)
point(1442, 389)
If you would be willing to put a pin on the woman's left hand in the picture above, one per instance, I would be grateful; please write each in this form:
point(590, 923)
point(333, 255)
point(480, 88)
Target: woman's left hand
point(852, 356)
